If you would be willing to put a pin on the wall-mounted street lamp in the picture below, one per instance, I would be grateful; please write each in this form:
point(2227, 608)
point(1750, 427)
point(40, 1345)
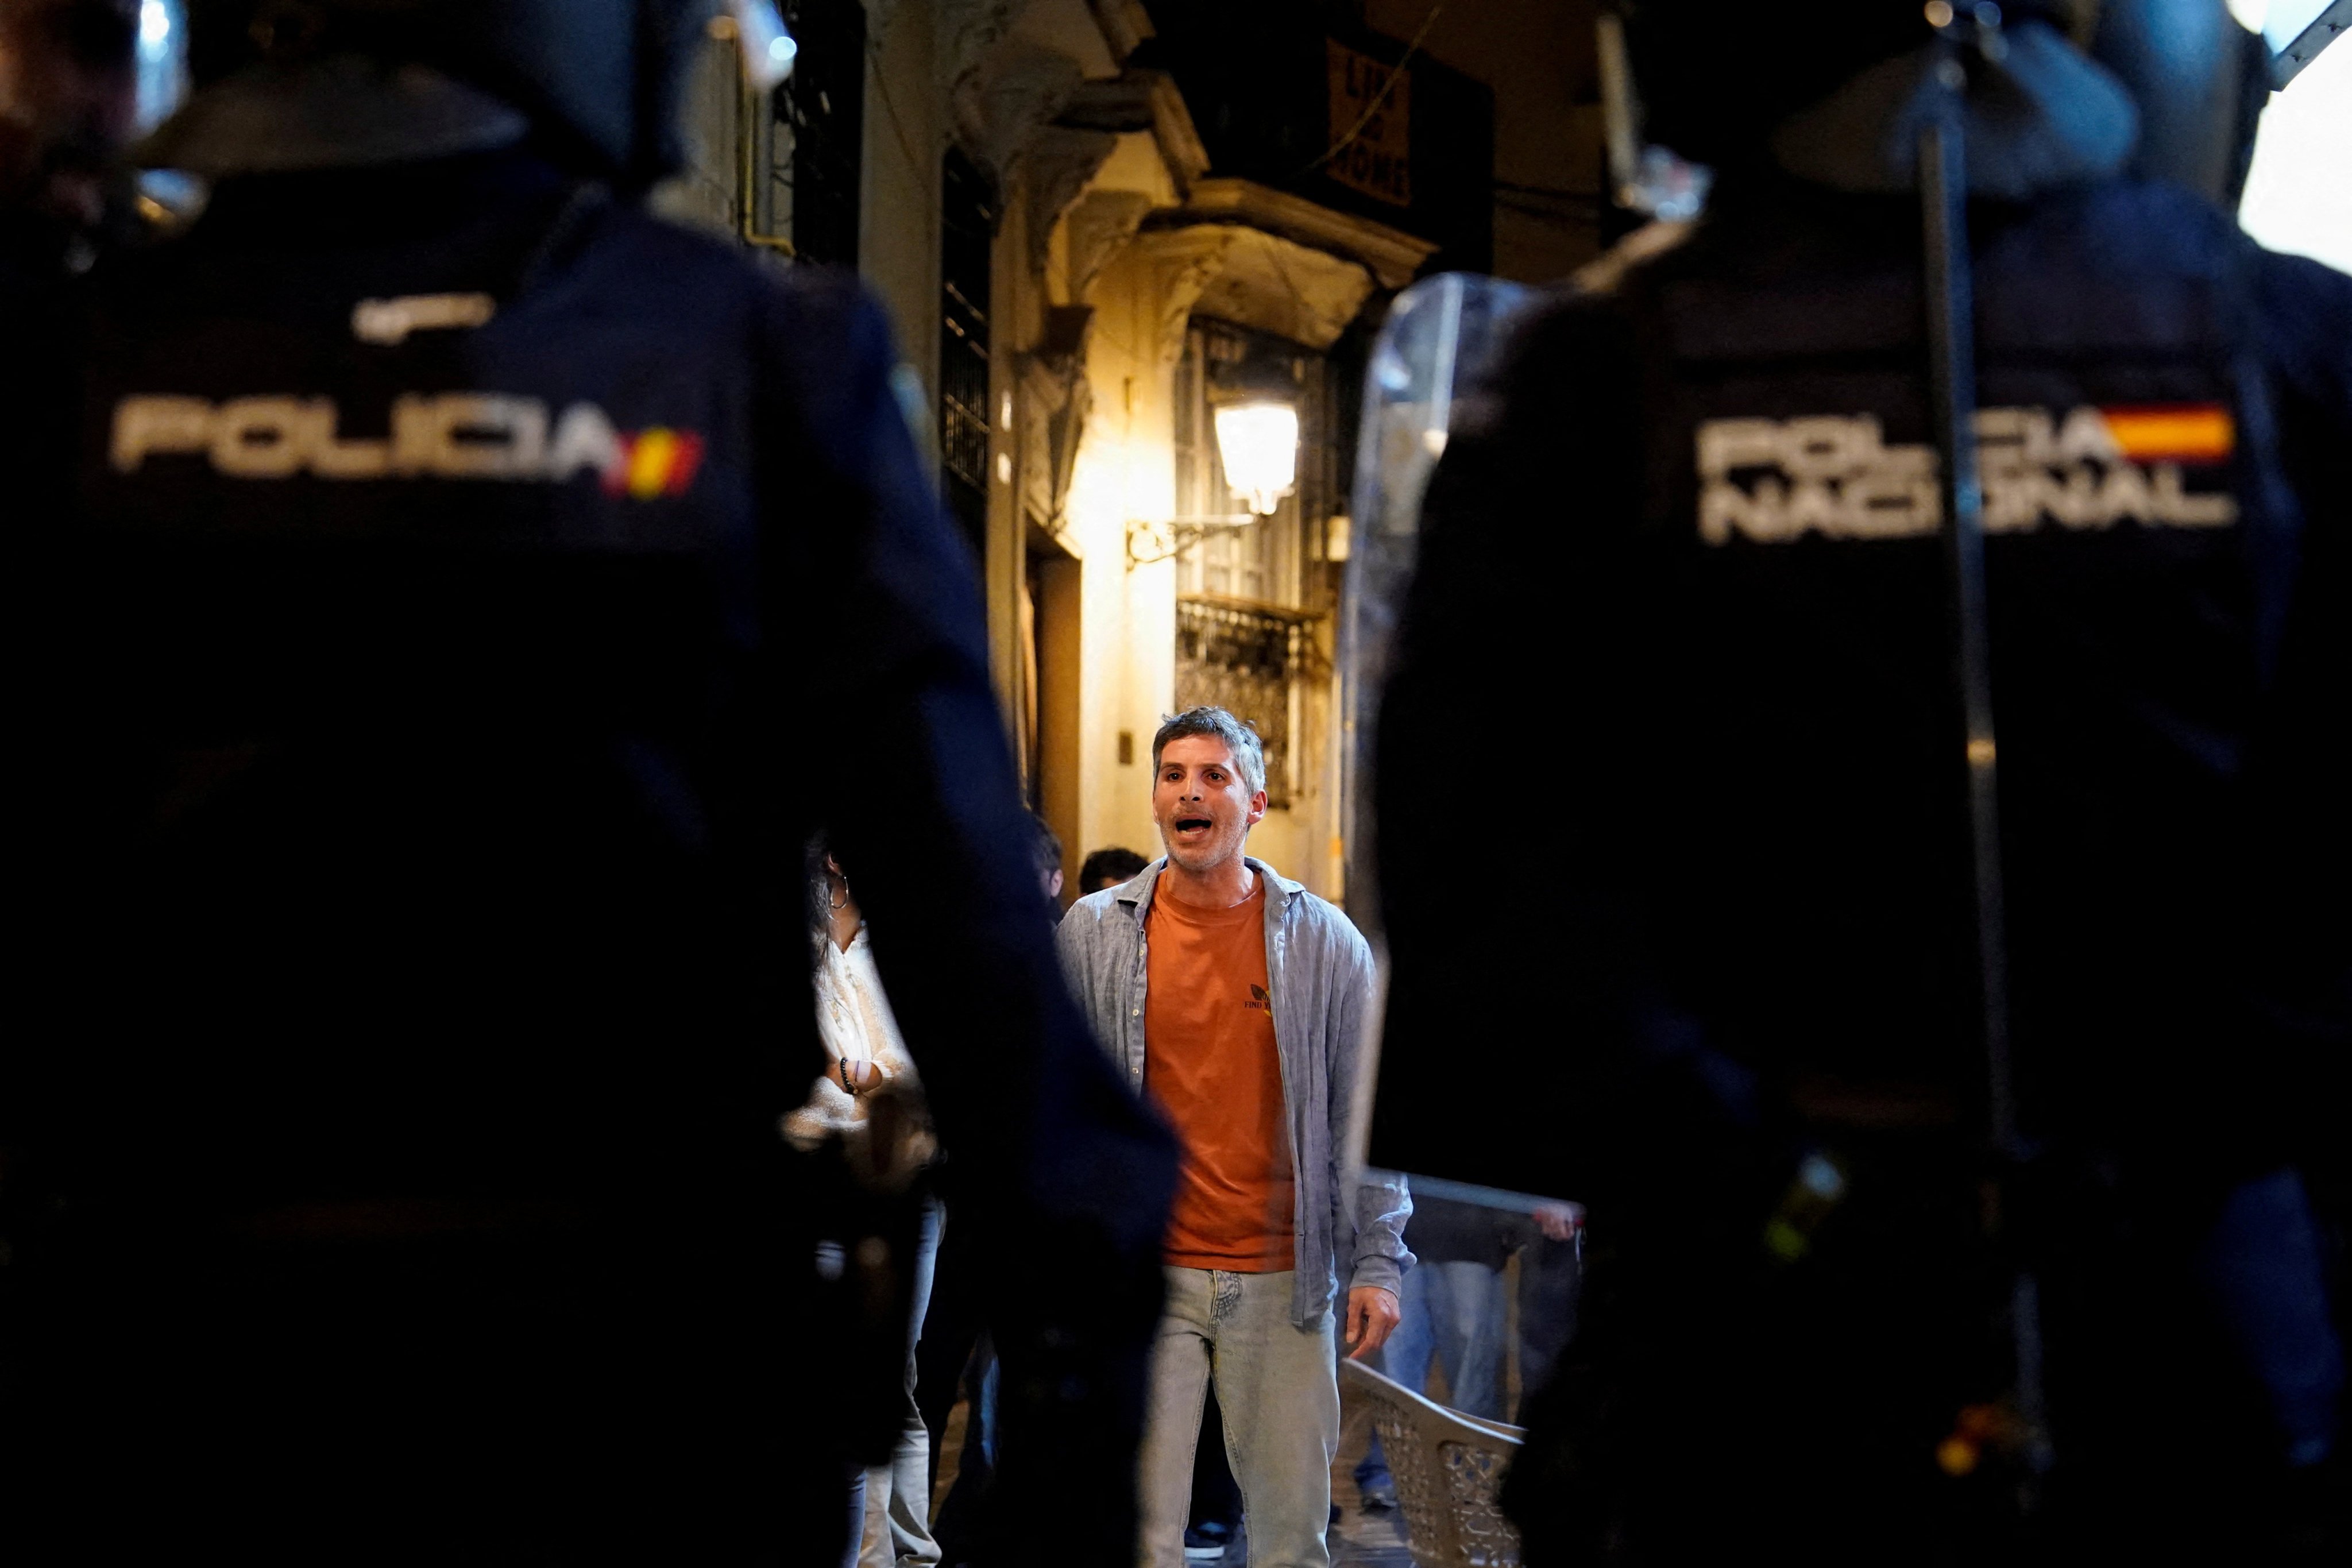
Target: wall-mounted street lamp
point(1257, 444)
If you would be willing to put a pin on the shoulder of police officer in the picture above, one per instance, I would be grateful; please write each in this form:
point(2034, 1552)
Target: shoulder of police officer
point(598, 255)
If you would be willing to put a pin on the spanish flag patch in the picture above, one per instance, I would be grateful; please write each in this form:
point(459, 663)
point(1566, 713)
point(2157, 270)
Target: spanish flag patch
point(655, 462)
point(2192, 433)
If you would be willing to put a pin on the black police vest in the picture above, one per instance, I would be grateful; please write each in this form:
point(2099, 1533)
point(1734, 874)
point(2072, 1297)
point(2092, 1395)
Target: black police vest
point(2130, 506)
point(416, 823)
point(1702, 519)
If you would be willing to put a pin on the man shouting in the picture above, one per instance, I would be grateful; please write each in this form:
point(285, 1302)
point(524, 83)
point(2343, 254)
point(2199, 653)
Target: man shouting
point(1236, 1000)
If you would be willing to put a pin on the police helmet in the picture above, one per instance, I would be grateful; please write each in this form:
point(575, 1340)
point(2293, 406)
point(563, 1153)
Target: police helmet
point(598, 80)
point(1715, 74)
point(2200, 81)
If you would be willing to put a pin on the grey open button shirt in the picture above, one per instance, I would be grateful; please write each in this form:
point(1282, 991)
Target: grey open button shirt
point(1320, 972)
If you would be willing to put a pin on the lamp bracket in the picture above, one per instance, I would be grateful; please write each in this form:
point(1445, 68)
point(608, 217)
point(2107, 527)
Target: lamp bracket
point(1153, 540)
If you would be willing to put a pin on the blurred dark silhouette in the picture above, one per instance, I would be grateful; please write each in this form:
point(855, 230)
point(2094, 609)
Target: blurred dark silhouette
point(474, 592)
point(69, 102)
point(1739, 1014)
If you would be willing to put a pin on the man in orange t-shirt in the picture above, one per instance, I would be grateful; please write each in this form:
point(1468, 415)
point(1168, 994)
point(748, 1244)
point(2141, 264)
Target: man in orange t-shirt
point(1236, 1001)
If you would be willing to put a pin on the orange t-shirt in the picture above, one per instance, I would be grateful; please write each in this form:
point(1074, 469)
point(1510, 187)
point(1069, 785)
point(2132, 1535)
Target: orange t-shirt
point(1208, 1062)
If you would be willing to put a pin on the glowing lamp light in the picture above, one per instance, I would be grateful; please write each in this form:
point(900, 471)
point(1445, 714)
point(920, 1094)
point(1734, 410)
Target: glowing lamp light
point(160, 61)
point(768, 47)
point(1259, 444)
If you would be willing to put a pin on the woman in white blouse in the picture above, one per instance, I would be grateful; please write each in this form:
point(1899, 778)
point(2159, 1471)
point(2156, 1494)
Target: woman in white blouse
point(863, 1053)
point(866, 1069)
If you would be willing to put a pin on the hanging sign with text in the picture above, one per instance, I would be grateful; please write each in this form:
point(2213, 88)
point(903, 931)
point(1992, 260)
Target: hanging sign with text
point(1378, 160)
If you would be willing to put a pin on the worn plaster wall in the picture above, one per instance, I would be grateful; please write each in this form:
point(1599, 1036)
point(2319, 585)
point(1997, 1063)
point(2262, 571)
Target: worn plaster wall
point(899, 224)
point(1124, 471)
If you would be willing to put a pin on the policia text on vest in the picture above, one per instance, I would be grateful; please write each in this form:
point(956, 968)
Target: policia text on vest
point(446, 435)
point(1772, 481)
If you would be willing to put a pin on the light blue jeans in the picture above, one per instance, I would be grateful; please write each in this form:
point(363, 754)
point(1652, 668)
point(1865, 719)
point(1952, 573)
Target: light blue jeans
point(1459, 1311)
point(1280, 1396)
point(893, 1505)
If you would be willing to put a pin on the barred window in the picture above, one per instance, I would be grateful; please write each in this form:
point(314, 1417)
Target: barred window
point(1253, 600)
point(968, 224)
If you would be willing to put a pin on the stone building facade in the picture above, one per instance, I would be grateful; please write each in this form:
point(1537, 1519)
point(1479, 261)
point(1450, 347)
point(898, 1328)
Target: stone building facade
point(1094, 221)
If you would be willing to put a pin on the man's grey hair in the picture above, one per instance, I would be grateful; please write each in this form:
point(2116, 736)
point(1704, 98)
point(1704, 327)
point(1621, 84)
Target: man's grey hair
point(1249, 752)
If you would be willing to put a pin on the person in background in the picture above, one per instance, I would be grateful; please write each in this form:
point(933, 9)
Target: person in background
point(1455, 1312)
point(955, 1354)
point(1049, 860)
point(1217, 1512)
point(1235, 1000)
point(1108, 868)
point(869, 1094)
point(1551, 1276)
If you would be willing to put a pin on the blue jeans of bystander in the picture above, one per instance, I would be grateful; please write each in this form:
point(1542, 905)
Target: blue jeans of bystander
point(1458, 1312)
point(897, 1528)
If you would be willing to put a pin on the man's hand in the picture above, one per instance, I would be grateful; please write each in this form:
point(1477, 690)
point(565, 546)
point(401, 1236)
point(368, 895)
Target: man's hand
point(1372, 1317)
point(1560, 1222)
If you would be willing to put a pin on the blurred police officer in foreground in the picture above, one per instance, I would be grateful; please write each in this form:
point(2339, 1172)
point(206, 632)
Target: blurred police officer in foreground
point(1746, 1003)
point(422, 721)
point(69, 100)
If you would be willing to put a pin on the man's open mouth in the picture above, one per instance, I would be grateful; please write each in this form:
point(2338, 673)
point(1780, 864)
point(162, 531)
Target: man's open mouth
point(1193, 824)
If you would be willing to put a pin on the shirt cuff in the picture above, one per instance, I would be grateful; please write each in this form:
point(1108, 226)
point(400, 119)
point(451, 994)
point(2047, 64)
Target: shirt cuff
point(1382, 1272)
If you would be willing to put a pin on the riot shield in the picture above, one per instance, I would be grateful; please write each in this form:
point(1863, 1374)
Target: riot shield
point(1438, 333)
